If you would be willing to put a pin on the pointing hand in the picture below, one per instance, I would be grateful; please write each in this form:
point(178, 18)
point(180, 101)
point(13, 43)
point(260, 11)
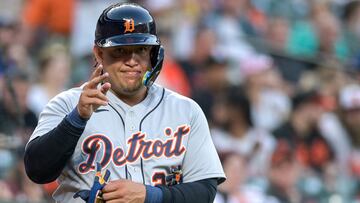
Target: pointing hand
point(93, 97)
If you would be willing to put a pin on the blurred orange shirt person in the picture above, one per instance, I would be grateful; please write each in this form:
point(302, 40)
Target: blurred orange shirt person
point(56, 16)
point(173, 77)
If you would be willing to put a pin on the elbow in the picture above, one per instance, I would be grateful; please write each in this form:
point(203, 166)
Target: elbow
point(36, 173)
point(37, 177)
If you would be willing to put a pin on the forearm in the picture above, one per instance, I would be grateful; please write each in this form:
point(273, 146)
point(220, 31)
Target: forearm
point(202, 191)
point(46, 156)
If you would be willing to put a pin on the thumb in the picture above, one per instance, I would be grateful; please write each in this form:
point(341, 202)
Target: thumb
point(105, 87)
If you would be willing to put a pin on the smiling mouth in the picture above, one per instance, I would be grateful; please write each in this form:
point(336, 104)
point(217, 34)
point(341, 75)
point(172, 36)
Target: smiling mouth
point(132, 73)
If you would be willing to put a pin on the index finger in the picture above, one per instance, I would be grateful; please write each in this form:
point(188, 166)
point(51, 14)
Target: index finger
point(97, 71)
point(95, 81)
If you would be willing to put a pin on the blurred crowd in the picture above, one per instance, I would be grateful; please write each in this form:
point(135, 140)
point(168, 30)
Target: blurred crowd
point(278, 81)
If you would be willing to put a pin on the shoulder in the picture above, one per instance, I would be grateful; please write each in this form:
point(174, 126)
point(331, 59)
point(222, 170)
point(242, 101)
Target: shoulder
point(174, 101)
point(69, 94)
point(176, 98)
point(181, 101)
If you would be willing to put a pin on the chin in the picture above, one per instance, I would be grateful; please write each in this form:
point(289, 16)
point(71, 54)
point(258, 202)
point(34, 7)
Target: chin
point(131, 89)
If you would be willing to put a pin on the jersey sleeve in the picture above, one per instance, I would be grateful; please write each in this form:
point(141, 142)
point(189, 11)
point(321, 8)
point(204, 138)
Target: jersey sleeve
point(55, 111)
point(201, 160)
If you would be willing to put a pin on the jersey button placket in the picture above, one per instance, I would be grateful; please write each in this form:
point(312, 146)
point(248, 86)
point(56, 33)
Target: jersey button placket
point(129, 125)
point(132, 127)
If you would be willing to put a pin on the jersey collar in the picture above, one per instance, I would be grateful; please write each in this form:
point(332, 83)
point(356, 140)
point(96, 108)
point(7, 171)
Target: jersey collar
point(150, 101)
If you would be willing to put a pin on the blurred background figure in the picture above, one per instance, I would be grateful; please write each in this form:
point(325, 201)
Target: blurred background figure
point(309, 148)
point(212, 84)
point(237, 189)
point(277, 33)
point(267, 92)
point(15, 115)
point(54, 76)
point(234, 131)
point(172, 75)
point(302, 134)
point(203, 49)
point(284, 173)
point(318, 35)
point(46, 20)
point(351, 29)
point(342, 127)
point(16, 122)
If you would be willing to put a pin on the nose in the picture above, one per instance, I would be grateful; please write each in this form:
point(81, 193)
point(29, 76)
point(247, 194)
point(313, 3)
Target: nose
point(131, 60)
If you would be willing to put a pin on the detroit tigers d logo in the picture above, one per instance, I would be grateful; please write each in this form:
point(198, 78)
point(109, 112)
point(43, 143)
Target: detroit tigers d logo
point(129, 25)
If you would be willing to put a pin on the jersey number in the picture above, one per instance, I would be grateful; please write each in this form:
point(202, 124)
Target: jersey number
point(158, 178)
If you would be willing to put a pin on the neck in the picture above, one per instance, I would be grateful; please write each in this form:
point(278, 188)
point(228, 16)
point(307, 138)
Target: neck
point(132, 98)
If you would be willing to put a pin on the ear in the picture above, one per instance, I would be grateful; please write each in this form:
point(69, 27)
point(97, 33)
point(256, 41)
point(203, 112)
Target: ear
point(98, 53)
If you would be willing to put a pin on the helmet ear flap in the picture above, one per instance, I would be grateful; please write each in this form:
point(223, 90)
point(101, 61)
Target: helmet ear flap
point(157, 59)
point(154, 53)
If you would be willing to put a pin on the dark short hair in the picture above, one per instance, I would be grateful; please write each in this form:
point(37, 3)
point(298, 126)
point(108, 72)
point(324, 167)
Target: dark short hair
point(237, 98)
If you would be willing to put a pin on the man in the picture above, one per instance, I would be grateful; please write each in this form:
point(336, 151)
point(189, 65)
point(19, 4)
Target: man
point(16, 123)
point(141, 132)
point(301, 133)
point(15, 118)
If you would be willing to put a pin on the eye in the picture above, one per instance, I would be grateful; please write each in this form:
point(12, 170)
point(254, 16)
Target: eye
point(119, 51)
point(143, 50)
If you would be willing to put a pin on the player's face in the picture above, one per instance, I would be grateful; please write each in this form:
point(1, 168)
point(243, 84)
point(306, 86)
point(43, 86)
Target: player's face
point(126, 66)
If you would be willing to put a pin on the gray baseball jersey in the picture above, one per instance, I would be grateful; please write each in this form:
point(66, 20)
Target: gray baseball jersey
point(138, 142)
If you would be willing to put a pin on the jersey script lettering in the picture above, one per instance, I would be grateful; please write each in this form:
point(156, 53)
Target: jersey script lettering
point(139, 146)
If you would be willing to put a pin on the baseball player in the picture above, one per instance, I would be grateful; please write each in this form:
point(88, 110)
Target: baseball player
point(153, 143)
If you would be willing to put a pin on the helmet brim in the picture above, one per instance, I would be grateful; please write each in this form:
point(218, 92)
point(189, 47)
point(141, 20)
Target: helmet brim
point(129, 40)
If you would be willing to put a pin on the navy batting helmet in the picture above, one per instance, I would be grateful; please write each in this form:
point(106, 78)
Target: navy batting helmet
point(130, 24)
